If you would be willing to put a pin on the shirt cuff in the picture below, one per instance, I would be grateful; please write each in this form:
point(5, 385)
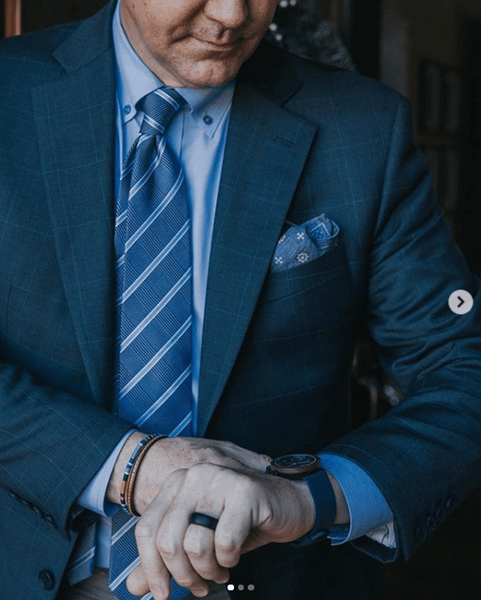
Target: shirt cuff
point(368, 509)
point(94, 495)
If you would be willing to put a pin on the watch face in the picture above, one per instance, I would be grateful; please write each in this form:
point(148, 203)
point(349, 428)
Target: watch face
point(296, 461)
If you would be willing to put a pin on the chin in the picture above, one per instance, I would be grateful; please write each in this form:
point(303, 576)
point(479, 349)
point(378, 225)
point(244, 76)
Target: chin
point(206, 71)
point(209, 73)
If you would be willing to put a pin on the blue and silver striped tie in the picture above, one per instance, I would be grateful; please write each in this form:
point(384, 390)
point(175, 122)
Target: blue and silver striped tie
point(154, 273)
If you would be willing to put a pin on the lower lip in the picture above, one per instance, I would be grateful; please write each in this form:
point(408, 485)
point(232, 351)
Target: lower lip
point(217, 47)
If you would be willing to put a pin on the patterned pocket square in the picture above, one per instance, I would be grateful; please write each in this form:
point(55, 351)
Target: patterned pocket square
point(303, 243)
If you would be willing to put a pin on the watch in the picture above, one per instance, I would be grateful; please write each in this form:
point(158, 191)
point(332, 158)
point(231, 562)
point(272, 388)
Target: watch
point(308, 467)
point(294, 466)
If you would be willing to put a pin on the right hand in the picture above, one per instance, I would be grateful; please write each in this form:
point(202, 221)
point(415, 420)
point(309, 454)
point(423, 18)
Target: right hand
point(172, 454)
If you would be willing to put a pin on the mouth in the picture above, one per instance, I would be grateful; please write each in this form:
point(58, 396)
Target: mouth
point(217, 45)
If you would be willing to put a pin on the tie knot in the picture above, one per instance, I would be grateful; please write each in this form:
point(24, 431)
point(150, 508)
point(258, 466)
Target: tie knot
point(159, 108)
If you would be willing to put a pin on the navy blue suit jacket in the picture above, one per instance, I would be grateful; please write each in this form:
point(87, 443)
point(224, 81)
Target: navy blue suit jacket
point(277, 348)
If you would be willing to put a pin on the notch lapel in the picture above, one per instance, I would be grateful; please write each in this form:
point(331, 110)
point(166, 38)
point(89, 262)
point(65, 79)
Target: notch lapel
point(266, 150)
point(75, 123)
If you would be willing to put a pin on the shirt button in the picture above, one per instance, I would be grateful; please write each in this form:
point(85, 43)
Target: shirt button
point(208, 120)
point(127, 109)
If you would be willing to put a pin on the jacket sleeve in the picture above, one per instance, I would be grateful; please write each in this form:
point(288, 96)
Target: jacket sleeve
point(425, 454)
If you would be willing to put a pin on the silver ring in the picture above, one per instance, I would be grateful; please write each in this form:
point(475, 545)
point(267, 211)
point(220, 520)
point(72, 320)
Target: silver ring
point(198, 518)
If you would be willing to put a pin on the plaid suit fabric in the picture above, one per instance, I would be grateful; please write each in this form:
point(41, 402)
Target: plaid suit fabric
point(302, 141)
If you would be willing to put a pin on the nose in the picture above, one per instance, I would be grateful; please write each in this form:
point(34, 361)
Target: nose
point(229, 13)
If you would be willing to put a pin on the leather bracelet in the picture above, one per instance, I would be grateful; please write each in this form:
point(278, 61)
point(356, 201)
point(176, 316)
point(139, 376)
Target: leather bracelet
point(128, 468)
point(132, 476)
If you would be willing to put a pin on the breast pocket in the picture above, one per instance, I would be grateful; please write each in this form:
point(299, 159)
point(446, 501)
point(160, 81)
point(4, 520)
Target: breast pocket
point(306, 299)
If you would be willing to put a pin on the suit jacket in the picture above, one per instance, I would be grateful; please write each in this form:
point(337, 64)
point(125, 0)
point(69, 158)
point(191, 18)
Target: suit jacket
point(277, 347)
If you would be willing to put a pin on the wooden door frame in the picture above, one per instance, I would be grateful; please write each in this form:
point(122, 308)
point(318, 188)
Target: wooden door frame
point(13, 17)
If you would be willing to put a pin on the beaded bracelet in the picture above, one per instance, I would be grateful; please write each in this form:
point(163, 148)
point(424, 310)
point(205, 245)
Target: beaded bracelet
point(129, 492)
point(128, 468)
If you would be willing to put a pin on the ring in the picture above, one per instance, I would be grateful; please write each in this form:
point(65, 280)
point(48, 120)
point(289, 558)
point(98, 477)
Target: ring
point(198, 518)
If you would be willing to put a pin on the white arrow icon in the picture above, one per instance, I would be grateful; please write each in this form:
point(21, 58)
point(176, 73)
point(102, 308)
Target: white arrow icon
point(461, 302)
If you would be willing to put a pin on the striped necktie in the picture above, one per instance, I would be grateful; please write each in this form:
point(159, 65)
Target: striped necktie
point(154, 274)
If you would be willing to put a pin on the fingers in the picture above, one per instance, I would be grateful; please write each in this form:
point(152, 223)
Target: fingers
point(169, 545)
point(154, 575)
point(199, 547)
point(160, 535)
point(236, 521)
point(187, 548)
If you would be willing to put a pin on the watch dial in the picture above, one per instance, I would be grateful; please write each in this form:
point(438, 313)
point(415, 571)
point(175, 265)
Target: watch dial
point(293, 461)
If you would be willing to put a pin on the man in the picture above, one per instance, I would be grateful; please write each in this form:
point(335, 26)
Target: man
point(312, 215)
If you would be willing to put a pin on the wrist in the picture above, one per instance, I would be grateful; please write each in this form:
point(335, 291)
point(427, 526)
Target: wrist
point(330, 507)
point(116, 477)
point(342, 511)
point(308, 507)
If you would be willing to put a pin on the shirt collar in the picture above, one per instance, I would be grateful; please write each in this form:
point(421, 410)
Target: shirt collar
point(135, 80)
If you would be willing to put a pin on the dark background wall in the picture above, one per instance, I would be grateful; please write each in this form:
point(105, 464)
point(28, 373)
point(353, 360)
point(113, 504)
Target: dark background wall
point(37, 14)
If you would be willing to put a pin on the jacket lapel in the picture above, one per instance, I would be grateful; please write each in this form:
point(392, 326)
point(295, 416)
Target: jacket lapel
point(265, 154)
point(75, 123)
point(266, 150)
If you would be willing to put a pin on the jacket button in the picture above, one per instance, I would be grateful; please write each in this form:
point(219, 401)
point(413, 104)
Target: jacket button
point(47, 579)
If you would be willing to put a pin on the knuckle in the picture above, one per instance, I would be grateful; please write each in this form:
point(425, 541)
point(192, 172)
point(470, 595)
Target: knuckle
point(143, 530)
point(187, 582)
point(195, 551)
point(159, 591)
point(229, 562)
point(209, 574)
point(226, 547)
point(211, 454)
point(230, 445)
point(166, 548)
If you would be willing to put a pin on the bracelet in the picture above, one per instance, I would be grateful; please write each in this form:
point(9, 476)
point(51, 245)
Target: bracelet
point(128, 479)
point(128, 468)
point(129, 494)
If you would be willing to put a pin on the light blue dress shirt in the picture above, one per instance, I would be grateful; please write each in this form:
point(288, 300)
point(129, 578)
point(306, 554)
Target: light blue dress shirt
point(198, 135)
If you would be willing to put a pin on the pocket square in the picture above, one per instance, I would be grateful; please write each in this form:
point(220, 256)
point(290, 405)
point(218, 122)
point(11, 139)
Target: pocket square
point(301, 244)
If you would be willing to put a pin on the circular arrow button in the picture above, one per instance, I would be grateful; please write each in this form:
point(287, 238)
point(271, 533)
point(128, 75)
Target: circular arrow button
point(461, 302)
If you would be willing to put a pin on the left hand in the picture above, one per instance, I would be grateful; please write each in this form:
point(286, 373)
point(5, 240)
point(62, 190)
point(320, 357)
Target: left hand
point(253, 509)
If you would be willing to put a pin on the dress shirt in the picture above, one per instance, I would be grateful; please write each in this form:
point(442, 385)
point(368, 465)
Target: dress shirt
point(198, 134)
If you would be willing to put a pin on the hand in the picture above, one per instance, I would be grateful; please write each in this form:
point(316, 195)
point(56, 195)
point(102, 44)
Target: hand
point(253, 509)
point(171, 454)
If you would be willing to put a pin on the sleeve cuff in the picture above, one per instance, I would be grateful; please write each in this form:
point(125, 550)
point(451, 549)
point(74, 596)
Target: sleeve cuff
point(93, 496)
point(368, 509)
